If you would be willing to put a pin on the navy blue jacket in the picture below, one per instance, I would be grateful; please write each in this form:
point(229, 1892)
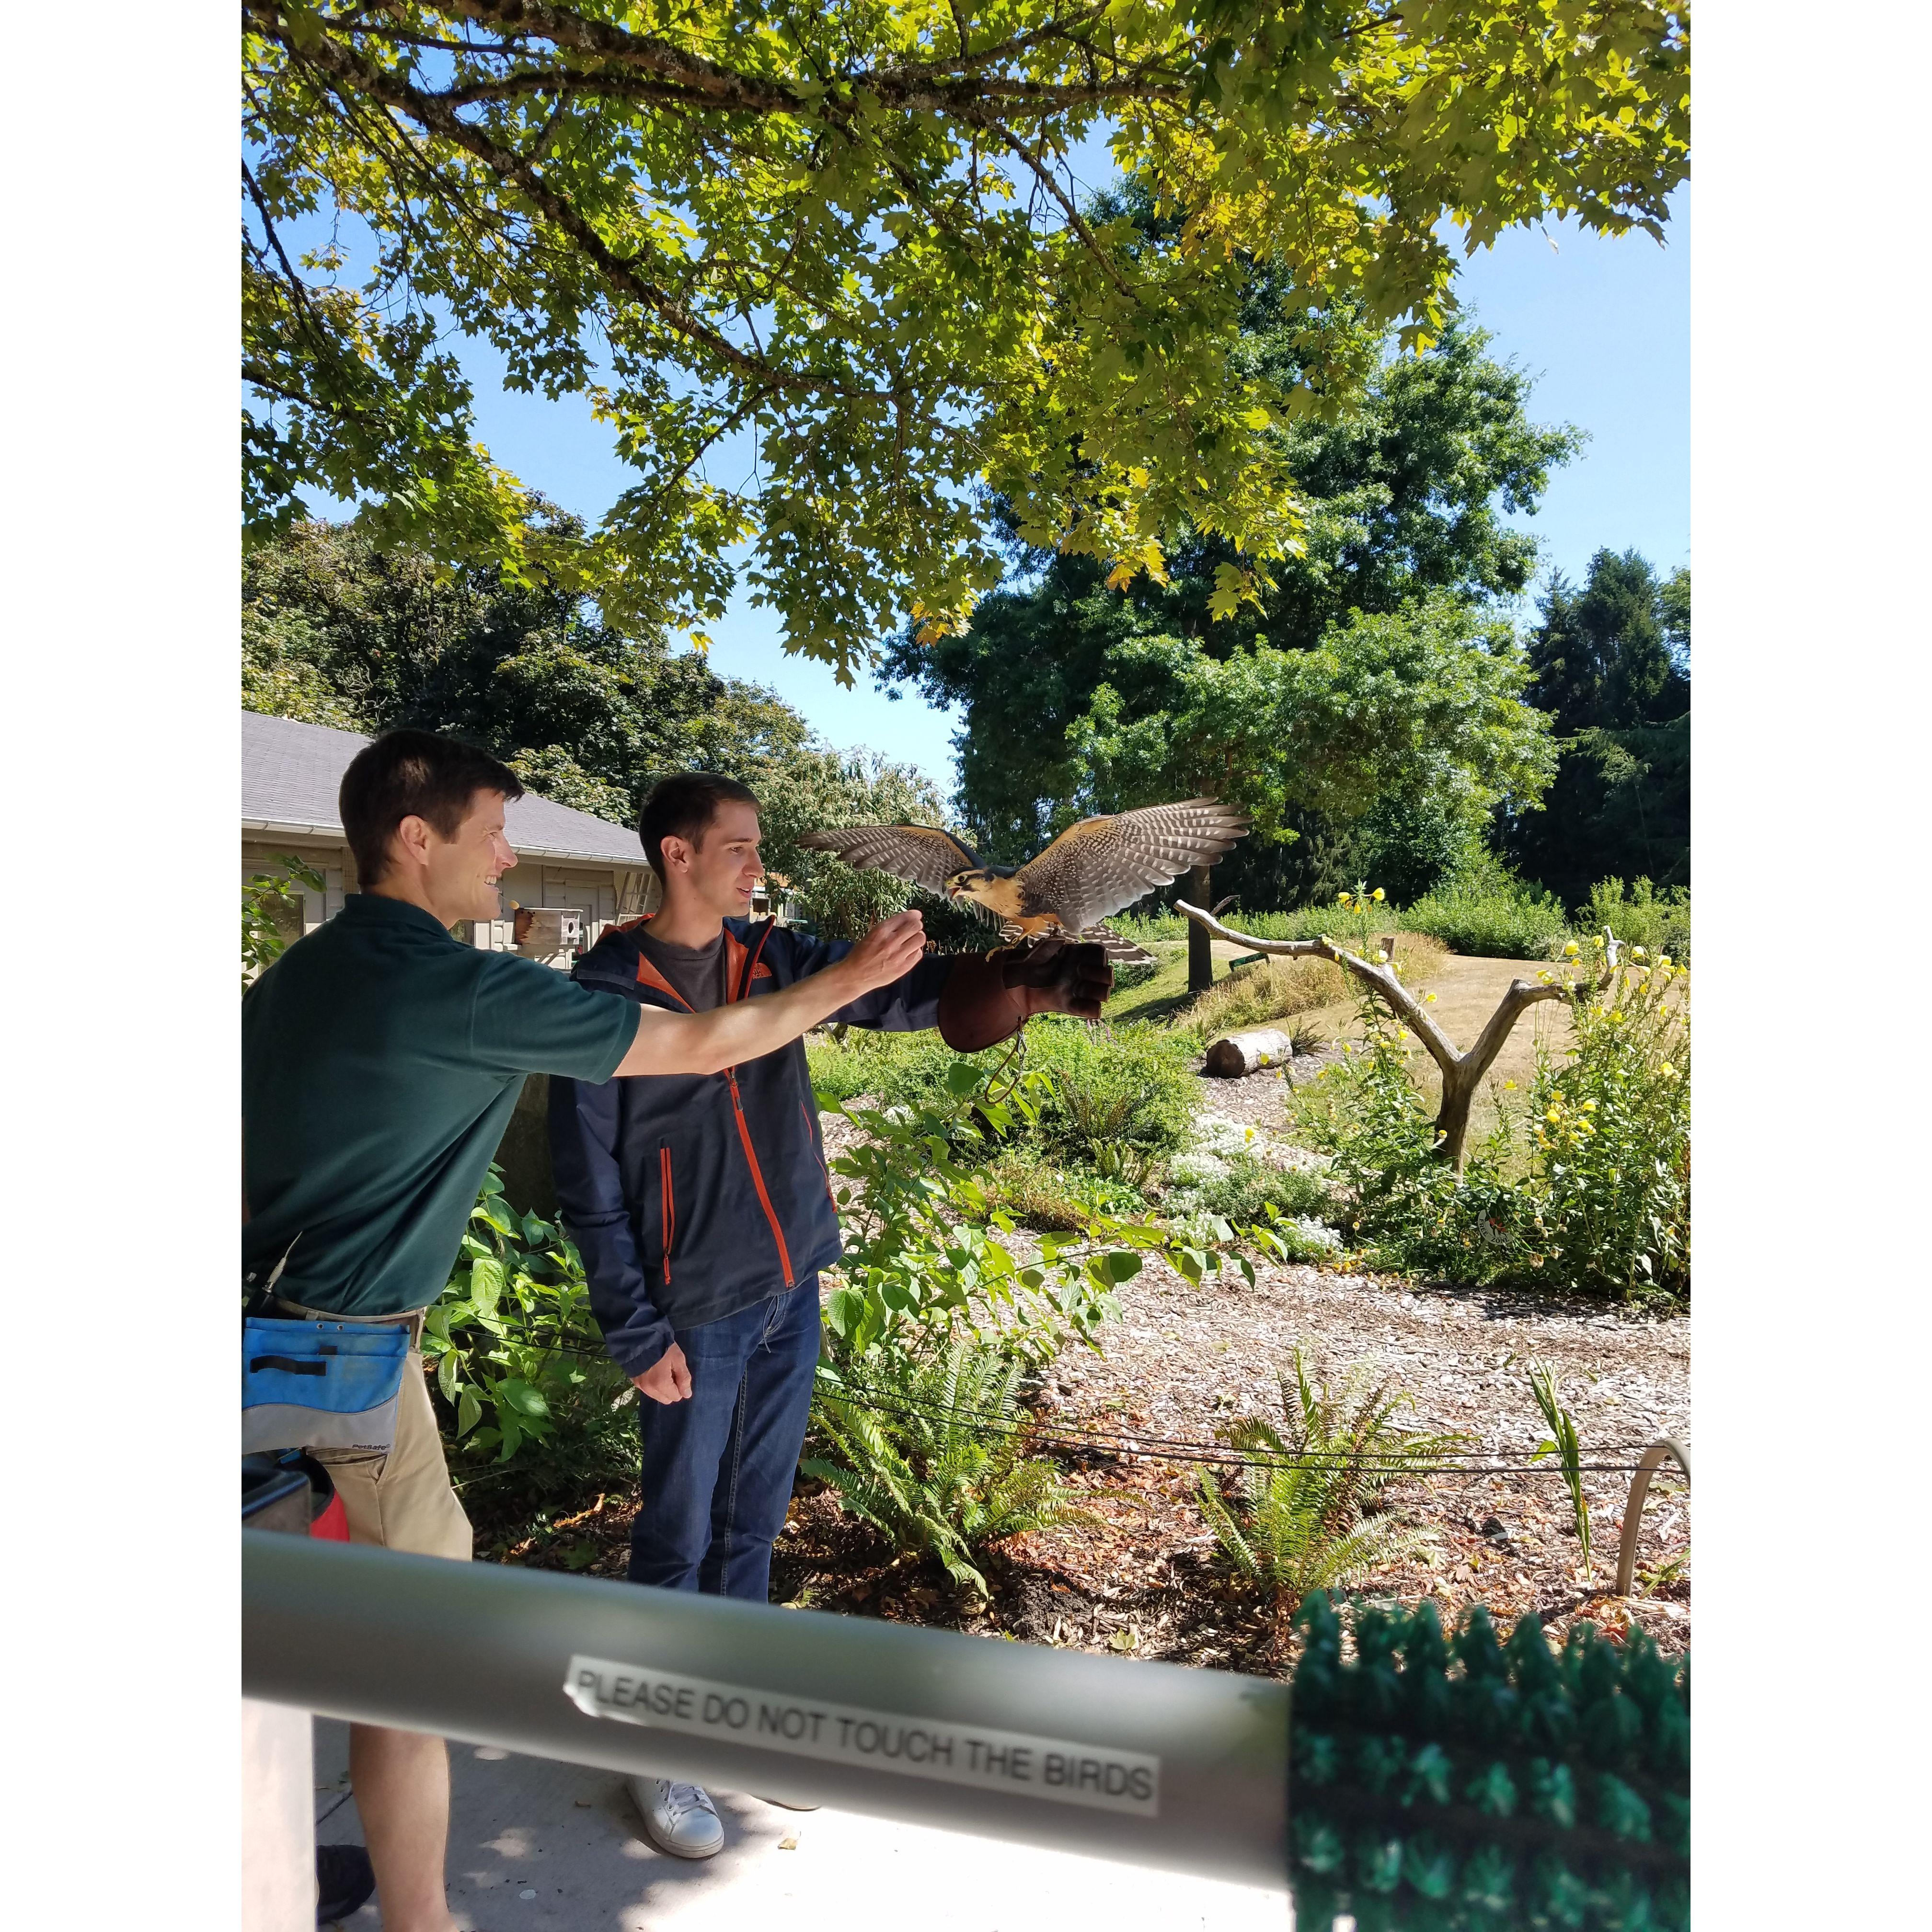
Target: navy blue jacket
point(693, 1195)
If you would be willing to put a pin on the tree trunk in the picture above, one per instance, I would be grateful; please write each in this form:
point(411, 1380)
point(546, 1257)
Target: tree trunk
point(1452, 1118)
point(1200, 947)
point(1242, 1053)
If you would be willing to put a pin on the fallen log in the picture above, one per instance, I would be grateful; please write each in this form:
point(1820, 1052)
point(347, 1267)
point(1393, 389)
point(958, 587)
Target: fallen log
point(1239, 1053)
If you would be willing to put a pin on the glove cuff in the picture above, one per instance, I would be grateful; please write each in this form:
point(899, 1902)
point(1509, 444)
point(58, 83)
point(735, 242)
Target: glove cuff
point(977, 1008)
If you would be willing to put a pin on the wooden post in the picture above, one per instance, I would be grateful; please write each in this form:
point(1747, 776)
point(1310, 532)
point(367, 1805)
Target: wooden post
point(1200, 947)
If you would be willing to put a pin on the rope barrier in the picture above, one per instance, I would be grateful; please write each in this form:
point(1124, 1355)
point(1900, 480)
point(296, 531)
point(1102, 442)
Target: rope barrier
point(1077, 1439)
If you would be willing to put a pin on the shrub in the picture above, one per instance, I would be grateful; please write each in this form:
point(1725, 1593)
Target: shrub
point(1038, 1194)
point(842, 1068)
point(1130, 1087)
point(1660, 921)
point(1294, 1520)
point(920, 1203)
point(1608, 1193)
point(1240, 1189)
point(1491, 914)
point(271, 914)
point(928, 1446)
point(1402, 1203)
point(512, 1340)
point(1593, 1192)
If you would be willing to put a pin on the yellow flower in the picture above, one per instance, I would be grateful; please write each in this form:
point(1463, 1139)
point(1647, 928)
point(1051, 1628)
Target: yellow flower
point(1664, 959)
point(1402, 1032)
point(1638, 952)
point(1428, 999)
point(1570, 950)
point(1545, 977)
point(1508, 1083)
point(1344, 899)
point(1377, 895)
point(1555, 1117)
point(1616, 1019)
point(1589, 1106)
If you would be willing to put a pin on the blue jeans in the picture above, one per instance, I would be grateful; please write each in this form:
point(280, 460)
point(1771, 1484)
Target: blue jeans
point(718, 1467)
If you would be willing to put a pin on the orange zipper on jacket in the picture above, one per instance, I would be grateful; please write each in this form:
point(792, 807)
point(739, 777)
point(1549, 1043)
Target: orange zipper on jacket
point(758, 1179)
point(667, 1210)
point(735, 950)
point(648, 975)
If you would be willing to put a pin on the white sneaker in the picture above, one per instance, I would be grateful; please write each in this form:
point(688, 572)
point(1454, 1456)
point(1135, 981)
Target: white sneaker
point(679, 1819)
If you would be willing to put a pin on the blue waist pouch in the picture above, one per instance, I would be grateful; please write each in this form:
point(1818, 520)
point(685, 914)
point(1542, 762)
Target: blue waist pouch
point(320, 1385)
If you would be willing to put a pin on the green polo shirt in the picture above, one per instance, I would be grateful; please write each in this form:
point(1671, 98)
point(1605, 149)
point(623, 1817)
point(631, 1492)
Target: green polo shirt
point(381, 1061)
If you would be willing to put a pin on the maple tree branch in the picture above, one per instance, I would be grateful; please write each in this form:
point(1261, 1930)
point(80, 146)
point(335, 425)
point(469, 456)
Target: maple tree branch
point(943, 86)
point(1045, 177)
point(347, 68)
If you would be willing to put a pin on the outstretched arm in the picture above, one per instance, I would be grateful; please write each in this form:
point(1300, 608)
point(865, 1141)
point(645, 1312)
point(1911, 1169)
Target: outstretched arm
point(977, 1000)
point(669, 1042)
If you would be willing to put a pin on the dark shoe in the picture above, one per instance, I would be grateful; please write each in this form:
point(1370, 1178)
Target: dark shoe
point(345, 1881)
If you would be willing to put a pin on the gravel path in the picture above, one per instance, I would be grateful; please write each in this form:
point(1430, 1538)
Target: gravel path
point(1182, 1363)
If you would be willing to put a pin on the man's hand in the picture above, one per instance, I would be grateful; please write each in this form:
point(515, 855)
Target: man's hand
point(668, 1379)
point(1057, 976)
point(888, 952)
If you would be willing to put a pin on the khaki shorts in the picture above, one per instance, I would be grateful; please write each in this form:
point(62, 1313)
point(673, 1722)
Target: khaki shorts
point(401, 1499)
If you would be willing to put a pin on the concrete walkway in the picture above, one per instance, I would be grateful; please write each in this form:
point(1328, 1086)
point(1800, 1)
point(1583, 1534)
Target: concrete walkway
point(539, 1846)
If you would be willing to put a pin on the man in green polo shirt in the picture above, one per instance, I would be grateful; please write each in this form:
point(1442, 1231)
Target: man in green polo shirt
point(381, 1060)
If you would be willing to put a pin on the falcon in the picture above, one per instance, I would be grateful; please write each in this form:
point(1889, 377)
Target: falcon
point(1092, 871)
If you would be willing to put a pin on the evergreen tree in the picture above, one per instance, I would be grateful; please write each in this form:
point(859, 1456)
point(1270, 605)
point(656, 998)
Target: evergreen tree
point(337, 632)
point(1404, 487)
point(1611, 663)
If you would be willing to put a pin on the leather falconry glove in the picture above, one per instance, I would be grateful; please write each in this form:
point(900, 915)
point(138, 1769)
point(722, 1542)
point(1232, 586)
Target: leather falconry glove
point(989, 997)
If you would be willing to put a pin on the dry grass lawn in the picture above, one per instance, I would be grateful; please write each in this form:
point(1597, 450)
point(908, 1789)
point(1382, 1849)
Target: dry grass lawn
point(1467, 988)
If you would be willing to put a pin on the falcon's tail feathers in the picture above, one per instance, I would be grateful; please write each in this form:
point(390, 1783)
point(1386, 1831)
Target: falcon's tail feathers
point(1120, 952)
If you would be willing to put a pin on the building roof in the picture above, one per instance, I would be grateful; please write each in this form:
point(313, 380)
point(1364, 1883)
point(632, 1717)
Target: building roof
point(292, 771)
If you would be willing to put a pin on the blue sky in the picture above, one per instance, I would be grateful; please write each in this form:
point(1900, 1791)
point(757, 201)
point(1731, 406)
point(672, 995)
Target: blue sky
point(1602, 324)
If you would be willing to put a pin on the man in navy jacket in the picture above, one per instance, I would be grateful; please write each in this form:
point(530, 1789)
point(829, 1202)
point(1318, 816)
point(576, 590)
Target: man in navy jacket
point(704, 1210)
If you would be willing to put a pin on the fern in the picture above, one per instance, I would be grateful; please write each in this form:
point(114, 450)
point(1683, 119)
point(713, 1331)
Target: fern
point(930, 1449)
point(1295, 1522)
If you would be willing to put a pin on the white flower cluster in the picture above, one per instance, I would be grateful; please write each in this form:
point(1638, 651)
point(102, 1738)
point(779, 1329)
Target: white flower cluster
point(1214, 1134)
point(1319, 1232)
point(1190, 1170)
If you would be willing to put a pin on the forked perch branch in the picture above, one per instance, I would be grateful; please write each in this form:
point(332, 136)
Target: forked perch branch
point(1461, 1072)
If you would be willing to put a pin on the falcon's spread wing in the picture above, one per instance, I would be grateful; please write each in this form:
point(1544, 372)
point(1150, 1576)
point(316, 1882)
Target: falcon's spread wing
point(1100, 866)
point(922, 853)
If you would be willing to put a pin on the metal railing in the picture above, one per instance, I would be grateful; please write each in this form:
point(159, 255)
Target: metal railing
point(1147, 1763)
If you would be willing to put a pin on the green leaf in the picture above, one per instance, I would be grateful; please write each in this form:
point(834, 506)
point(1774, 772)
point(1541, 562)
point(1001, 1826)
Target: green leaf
point(468, 1409)
point(445, 1375)
point(486, 1286)
point(517, 1394)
